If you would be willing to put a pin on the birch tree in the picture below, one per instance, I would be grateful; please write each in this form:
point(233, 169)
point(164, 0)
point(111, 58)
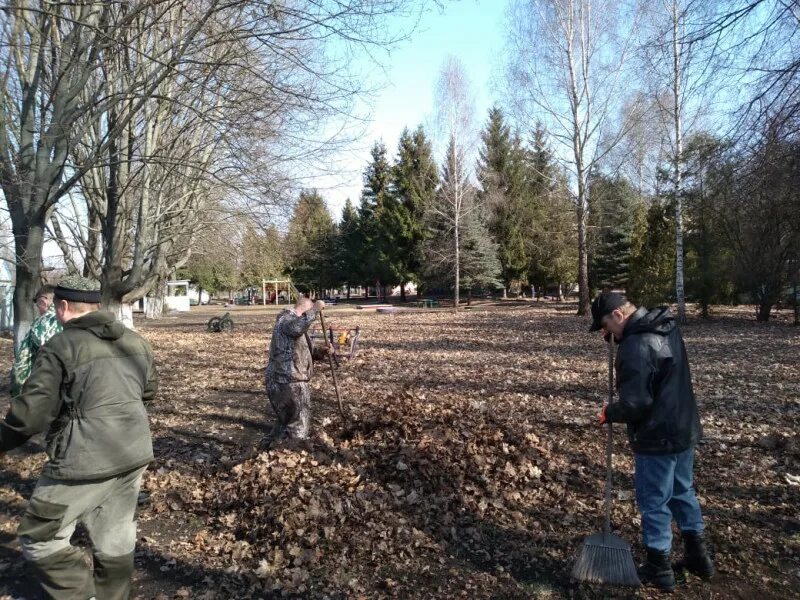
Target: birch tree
point(566, 67)
point(681, 69)
point(456, 197)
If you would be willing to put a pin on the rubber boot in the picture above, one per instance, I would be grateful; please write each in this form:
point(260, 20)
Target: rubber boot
point(64, 575)
point(112, 576)
point(657, 571)
point(695, 559)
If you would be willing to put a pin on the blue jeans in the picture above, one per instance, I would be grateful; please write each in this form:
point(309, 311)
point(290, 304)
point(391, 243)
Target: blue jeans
point(664, 490)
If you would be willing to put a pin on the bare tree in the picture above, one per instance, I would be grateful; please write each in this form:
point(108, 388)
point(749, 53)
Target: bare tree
point(49, 52)
point(456, 198)
point(681, 70)
point(565, 67)
point(98, 71)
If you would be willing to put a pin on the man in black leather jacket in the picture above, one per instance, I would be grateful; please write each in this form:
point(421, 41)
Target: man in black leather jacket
point(657, 402)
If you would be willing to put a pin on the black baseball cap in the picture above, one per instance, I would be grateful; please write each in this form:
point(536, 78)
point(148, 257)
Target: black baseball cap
point(603, 305)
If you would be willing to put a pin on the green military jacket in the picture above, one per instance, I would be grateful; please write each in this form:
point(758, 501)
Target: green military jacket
point(42, 329)
point(89, 385)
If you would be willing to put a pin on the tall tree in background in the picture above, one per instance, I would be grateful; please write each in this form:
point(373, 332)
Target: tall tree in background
point(347, 251)
point(653, 258)
point(549, 220)
point(378, 219)
point(612, 204)
point(456, 196)
point(309, 243)
point(414, 180)
point(500, 172)
point(760, 217)
point(679, 62)
point(707, 173)
point(566, 62)
point(459, 249)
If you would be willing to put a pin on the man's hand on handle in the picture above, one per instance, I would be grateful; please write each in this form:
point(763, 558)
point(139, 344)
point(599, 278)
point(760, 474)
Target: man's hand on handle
point(319, 305)
point(603, 419)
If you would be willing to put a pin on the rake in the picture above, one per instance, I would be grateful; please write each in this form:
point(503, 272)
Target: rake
point(606, 558)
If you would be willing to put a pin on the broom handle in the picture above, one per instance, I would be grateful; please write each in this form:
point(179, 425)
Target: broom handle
point(609, 441)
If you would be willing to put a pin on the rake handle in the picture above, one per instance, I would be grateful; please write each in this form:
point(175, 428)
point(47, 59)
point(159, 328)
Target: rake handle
point(609, 441)
point(333, 371)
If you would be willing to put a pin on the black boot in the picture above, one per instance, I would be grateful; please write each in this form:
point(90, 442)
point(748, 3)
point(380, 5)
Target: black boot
point(657, 571)
point(695, 557)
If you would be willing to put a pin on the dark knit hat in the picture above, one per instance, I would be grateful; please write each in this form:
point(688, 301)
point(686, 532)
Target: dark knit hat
point(603, 305)
point(75, 288)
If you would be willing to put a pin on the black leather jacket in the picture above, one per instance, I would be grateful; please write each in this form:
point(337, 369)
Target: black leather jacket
point(656, 399)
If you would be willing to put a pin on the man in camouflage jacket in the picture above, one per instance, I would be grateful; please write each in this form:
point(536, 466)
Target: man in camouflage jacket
point(289, 370)
point(88, 388)
point(44, 327)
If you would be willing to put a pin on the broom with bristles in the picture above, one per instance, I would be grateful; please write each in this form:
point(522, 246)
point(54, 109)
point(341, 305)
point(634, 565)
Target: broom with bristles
point(605, 557)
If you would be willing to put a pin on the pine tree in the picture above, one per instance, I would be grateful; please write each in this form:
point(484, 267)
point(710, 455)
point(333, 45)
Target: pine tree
point(653, 259)
point(379, 218)
point(709, 276)
point(310, 243)
point(348, 250)
point(414, 178)
point(501, 175)
point(612, 201)
point(549, 219)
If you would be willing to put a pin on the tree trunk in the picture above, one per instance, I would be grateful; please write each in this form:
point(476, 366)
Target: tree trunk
point(505, 293)
point(796, 302)
point(348, 291)
point(153, 306)
point(28, 241)
point(402, 291)
point(678, 124)
point(764, 310)
point(583, 261)
point(456, 290)
point(123, 311)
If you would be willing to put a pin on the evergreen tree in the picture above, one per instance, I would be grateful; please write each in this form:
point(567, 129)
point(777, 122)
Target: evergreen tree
point(653, 257)
point(612, 201)
point(549, 220)
point(709, 277)
point(310, 244)
point(501, 175)
point(414, 177)
point(380, 219)
point(347, 249)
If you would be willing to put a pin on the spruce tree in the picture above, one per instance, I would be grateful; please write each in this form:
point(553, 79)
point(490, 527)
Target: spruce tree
point(612, 201)
point(414, 178)
point(500, 172)
point(310, 243)
point(380, 219)
point(348, 250)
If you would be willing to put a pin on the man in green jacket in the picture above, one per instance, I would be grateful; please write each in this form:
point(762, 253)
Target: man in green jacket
point(45, 326)
point(88, 386)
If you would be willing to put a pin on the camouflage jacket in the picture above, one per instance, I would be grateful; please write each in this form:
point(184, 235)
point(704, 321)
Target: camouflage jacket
point(289, 350)
point(42, 329)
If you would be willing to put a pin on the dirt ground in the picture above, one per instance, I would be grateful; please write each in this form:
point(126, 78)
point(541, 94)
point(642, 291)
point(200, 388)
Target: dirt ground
point(471, 465)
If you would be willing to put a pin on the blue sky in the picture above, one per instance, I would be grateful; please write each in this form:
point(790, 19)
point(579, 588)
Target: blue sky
point(471, 30)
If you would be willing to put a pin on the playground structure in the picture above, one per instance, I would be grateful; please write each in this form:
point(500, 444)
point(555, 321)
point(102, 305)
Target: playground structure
point(279, 290)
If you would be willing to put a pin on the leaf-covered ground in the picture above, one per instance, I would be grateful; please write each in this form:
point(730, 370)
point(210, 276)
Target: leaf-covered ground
point(472, 466)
